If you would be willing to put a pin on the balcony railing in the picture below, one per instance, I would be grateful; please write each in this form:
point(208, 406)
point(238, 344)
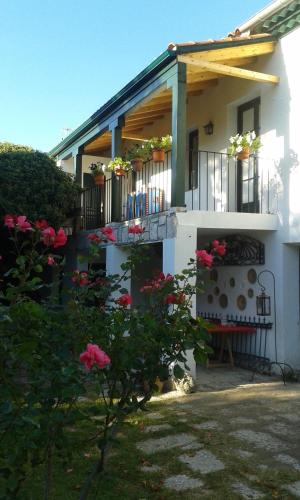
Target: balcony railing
point(96, 206)
point(148, 191)
point(218, 183)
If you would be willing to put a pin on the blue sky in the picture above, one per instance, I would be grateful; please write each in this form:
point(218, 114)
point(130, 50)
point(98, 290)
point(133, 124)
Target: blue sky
point(61, 60)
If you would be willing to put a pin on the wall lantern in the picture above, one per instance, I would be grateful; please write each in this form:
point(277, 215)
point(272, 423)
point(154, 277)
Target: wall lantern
point(263, 304)
point(209, 128)
point(263, 301)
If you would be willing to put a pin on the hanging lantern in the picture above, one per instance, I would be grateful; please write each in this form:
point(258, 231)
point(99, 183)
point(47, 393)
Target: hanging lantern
point(263, 304)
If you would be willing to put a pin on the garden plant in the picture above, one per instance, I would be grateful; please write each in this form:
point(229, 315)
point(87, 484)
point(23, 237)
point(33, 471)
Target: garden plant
point(92, 360)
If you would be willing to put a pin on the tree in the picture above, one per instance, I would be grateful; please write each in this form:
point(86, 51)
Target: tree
point(31, 183)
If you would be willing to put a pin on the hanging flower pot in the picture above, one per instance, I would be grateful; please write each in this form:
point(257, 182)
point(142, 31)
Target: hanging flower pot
point(119, 166)
point(120, 172)
point(244, 154)
point(158, 155)
point(159, 146)
point(137, 164)
point(97, 170)
point(242, 145)
point(99, 179)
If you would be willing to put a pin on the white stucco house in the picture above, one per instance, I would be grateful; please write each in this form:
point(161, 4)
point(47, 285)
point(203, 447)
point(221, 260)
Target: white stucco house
point(248, 80)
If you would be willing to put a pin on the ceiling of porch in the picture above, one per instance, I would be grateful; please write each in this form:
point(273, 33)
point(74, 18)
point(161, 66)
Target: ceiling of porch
point(206, 63)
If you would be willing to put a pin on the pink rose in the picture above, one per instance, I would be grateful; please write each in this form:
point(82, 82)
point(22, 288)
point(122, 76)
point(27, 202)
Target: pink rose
point(221, 250)
point(205, 258)
point(9, 221)
point(23, 224)
point(41, 224)
point(50, 260)
point(60, 238)
point(125, 300)
point(135, 229)
point(48, 236)
point(80, 278)
point(175, 298)
point(108, 233)
point(215, 243)
point(94, 237)
point(94, 356)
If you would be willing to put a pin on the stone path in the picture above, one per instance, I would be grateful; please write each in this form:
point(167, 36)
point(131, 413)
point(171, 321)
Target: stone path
point(232, 439)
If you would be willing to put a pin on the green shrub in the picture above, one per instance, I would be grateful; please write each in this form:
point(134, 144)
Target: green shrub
point(32, 184)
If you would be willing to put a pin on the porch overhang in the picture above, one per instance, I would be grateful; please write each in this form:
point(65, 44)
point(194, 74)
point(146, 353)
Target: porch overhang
point(205, 61)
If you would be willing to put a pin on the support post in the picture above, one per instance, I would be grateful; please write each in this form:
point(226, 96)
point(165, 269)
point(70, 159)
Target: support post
point(116, 150)
point(78, 168)
point(178, 84)
point(176, 254)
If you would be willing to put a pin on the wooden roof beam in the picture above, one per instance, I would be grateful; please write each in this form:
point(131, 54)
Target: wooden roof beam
point(223, 69)
point(150, 112)
point(142, 120)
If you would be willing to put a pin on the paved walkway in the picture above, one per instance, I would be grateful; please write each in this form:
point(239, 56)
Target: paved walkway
point(232, 439)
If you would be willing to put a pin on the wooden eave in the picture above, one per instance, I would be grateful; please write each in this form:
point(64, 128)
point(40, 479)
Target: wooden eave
point(204, 68)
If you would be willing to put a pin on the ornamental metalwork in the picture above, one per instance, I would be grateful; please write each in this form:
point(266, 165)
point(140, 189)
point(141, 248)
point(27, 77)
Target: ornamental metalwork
point(242, 250)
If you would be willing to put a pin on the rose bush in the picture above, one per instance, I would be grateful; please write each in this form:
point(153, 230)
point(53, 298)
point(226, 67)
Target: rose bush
point(99, 345)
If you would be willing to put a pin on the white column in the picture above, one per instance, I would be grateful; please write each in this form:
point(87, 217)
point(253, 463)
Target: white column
point(176, 254)
point(115, 257)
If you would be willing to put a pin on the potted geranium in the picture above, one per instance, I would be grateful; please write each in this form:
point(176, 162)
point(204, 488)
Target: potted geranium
point(242, 145)
point(158, 146)
point(137, 155)
point(97, 170)
point(119, 166)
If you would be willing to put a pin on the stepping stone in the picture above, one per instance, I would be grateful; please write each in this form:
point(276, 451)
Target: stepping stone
point(157, 428)
point(294, 488)
point(246, 492)
point(204, 462)
point(182, 483)
point(210, 424)
point(288, 460)
point(155, 445)
point(244, 453)
point(226, 411)
point(242, 421)
point(279, 428)
point(153, 416)
point(263, 467)
point(259, 439)
point(290, 417)
point(183, 420)
point(150, 468)
point(267, 418)
point(192, 446)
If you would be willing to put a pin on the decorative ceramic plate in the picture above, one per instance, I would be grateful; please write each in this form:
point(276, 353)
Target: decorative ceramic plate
point(223, 301)
point(210, 298)
point(232, 282)
point(241, 302)
point(250, 293)
point(252, 276)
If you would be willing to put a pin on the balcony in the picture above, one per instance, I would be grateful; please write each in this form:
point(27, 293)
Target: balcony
point(218, 183)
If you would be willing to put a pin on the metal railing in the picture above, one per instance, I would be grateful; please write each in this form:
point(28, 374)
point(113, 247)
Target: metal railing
point(250, 350)
point(148, 191)
point(96, 206)
point(220, 183)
